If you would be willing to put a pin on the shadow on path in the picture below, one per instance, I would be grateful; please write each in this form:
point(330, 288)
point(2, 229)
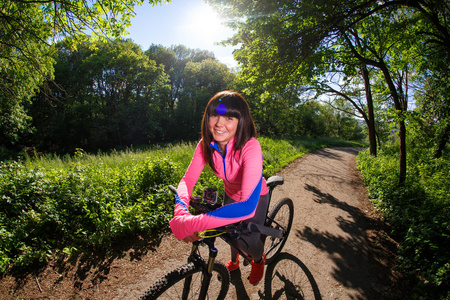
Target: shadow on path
point(236, 281)
point(328, 153)
point(358, 264)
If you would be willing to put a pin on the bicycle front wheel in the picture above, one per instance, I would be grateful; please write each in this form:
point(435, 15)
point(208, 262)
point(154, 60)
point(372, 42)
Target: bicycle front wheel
point(172, 286)
point(288, 278)
point(280, 217)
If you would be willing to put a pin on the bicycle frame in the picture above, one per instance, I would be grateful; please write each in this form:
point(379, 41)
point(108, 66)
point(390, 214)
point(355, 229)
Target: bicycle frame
point(231, 233)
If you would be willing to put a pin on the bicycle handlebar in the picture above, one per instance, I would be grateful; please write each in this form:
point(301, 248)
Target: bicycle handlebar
point(172, 189)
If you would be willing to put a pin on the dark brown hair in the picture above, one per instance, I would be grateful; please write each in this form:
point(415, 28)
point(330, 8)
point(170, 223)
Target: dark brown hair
point(236, 107)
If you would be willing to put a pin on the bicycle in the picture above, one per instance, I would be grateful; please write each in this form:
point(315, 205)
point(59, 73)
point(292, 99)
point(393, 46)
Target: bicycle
point(200, 279)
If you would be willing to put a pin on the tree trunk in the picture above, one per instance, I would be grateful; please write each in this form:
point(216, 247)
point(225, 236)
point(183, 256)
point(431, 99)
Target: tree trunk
point(442, 142)
point(402, 135)
point(371, 117)
point(400, 104)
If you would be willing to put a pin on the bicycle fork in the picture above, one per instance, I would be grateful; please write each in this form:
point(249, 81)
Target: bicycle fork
point(206, 274)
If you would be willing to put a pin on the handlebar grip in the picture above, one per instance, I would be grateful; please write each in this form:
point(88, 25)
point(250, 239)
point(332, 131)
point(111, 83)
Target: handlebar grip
point(172, 189)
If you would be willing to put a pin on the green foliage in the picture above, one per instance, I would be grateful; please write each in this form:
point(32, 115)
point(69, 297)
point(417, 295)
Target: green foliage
point(195, 76)
point(201, 80)
point(286, 115)
point(29, 30)
point(25, 62)
point(113, 95)
point(68, 205)
point(80, 205)
point(110, 99)
point(329, 49)
point(418, 212)
point(431, 119)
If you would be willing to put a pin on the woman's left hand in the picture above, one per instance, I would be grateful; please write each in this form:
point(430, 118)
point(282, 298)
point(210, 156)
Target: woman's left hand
point(191, 238)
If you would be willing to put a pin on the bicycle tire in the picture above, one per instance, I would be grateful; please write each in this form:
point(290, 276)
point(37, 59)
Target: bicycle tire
point(280, 217)
point(171, 285)
point(288, 278)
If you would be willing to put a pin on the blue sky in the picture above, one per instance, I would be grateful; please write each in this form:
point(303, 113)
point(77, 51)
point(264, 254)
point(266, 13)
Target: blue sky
point(187, 22)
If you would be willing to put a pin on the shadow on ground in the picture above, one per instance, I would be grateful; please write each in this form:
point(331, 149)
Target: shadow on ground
point(362, 258)
point(91, 265)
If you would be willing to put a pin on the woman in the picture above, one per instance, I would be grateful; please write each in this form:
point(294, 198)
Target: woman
point(230, 148)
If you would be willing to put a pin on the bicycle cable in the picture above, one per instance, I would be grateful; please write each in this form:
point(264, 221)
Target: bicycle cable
point(203, 234)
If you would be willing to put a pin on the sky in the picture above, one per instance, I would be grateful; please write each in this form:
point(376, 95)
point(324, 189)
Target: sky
point(191, 23)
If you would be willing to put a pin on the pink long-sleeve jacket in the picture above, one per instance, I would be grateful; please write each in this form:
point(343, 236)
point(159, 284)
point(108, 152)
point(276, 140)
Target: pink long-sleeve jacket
point(241, 172)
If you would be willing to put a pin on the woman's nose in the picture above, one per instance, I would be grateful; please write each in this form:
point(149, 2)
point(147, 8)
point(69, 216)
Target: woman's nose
point(219, 120)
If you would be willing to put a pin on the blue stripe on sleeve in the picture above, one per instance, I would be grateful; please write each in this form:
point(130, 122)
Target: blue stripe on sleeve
point(239, 209)
point(178, 201)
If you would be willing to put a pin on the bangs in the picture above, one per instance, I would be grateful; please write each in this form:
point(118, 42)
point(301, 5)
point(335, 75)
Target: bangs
point(226, 106)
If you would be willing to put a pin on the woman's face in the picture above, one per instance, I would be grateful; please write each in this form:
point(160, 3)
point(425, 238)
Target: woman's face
point(222, 128)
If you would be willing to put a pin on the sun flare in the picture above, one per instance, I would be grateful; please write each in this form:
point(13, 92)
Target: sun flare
point(204, 23)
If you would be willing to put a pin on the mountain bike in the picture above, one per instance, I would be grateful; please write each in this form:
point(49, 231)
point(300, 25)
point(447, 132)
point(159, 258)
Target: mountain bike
point(208, 279)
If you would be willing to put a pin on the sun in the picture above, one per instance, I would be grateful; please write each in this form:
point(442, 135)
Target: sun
point(205, 24)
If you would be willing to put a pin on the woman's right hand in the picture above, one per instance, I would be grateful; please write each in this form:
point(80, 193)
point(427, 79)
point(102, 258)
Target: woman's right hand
point(191, 238)
point(180, 226)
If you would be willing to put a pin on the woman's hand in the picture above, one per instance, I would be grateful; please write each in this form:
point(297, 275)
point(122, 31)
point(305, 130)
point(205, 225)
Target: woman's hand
point(191, 238)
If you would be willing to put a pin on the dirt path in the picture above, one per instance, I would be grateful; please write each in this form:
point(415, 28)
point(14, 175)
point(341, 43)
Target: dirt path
point(335, 235)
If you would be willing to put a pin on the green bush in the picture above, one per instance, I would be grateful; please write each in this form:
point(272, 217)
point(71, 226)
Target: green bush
point(79, 206)
point(277, 154)
point(419, 213)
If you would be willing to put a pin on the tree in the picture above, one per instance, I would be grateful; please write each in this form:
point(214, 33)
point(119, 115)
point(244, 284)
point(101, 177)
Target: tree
point(111, 99)
point(29, 30)
point(387, 49)
point(278, 50)
point(429, 21)
point(25, 60)
point(175, 60)
point(432, 115)
point(114, 95)
point(361, 99)
point(298, 42)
